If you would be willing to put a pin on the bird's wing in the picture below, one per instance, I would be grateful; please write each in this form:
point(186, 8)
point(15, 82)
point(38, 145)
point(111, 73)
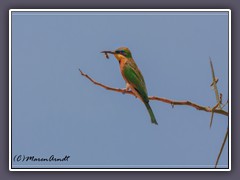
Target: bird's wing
point(135, 78)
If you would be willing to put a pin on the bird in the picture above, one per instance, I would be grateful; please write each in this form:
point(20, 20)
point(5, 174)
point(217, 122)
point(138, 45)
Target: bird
point(132, 76)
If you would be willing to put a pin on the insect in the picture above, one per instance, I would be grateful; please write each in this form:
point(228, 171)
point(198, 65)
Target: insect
point(106, 55)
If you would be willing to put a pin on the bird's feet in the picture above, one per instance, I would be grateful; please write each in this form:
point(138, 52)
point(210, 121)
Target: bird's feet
point(125, 90)
point(128, 89)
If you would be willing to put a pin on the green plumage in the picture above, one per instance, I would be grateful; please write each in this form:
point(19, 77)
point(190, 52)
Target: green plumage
point(133, 77)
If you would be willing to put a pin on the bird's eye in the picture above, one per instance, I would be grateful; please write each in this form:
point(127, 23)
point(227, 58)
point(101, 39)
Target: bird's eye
point(121, 52)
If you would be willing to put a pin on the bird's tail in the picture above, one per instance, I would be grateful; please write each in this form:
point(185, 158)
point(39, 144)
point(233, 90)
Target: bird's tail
point(153, 119)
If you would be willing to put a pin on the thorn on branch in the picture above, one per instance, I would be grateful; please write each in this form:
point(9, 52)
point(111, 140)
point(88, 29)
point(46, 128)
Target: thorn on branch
point(213, 110)
point(214, 83)
point(211, 119)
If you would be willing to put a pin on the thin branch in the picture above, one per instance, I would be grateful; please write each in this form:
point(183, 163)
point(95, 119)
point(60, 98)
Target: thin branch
point(223, 144)
point(168, 101)
point(214, 79)
point(225, 104)
point(213, 109)
point(124, 91)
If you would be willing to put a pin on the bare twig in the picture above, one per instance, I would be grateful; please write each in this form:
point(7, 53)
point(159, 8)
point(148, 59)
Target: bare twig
point(225, 104)
point(213, 109)
point(124, 91)
point(168, 101)
point(223, 144)
point(219, 102)
point(214, 82)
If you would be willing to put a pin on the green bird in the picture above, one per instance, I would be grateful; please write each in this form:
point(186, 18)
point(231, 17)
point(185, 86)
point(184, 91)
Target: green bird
point(133, 76)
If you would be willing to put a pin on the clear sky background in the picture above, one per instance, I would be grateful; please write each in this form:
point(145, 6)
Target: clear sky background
point(56, 111)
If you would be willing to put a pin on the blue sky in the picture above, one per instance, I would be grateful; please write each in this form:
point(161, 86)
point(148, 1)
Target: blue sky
point(56, 111)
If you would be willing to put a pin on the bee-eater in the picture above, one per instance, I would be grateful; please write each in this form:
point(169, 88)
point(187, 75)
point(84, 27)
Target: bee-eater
point(133, 76)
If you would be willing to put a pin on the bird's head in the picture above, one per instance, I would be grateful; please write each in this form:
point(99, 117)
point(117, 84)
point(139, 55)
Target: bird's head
point(120, 53)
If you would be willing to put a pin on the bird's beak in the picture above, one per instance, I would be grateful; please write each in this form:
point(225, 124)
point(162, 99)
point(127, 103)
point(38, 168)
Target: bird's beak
point(108, 52)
